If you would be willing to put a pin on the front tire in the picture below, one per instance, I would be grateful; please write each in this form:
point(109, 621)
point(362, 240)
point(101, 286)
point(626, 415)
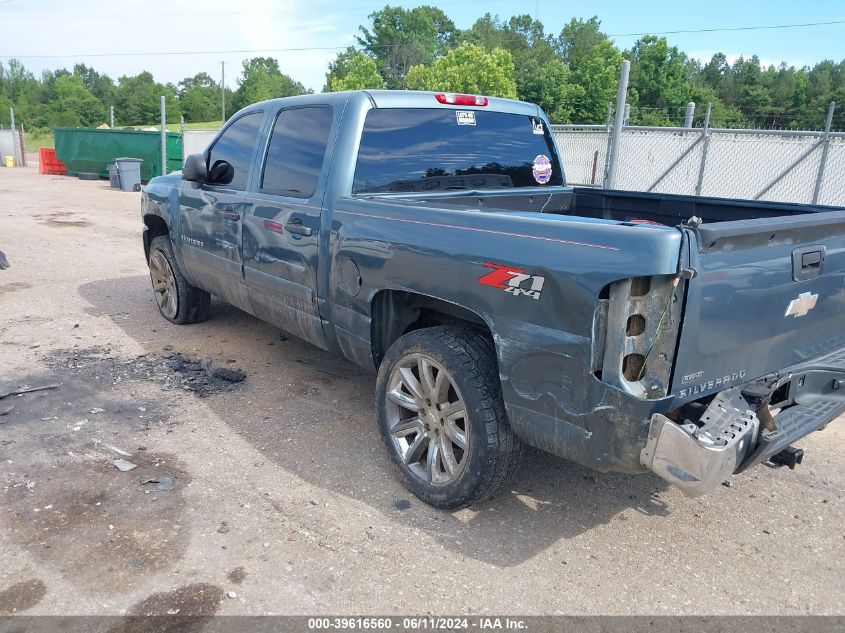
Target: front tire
point(178, 301)
point(442, 418)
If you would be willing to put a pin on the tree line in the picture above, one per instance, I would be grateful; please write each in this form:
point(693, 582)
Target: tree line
point(572, 75)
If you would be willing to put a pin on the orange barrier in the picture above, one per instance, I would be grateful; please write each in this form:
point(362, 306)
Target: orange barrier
point(49, 164)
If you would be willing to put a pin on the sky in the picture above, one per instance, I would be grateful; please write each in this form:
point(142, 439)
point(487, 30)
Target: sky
point(51, 34)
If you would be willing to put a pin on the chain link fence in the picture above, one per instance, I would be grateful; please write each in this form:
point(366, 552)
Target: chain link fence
point(777, 165)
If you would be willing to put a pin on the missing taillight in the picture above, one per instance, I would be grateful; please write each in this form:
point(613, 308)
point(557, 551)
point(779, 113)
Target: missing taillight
point(635, 328)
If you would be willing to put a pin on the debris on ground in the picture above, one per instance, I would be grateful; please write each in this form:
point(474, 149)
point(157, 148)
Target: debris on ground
point(96, 410)
point(23, 390)
point(200, 377)
point(229, 375)
point(172, 369)
point(124, 465)
point(6, 410)
point(162, 484)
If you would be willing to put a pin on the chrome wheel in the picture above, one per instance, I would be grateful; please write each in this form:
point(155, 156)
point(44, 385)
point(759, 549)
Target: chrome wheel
point(427, 419)
point(164, 284)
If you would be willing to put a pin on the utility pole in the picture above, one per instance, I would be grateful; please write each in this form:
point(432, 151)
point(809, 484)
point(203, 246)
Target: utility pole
point(111, 116)
point(222, 93)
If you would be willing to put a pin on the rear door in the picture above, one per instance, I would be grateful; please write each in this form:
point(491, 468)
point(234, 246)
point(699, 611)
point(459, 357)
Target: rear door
point(768, 293)
point(211, 214)
point(282, 225)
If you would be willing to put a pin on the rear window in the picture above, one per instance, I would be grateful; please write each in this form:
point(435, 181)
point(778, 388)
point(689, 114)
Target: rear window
point(433, 149)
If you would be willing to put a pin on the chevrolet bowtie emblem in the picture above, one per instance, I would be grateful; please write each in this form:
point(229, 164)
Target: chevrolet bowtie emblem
point(802, 305)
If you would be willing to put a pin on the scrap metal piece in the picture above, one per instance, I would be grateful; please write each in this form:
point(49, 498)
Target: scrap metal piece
point(124, 465)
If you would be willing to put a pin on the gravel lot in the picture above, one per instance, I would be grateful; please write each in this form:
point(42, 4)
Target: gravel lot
point(282, 499)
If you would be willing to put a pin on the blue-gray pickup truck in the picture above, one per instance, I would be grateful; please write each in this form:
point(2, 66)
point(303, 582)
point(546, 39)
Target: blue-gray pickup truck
point(432, 238)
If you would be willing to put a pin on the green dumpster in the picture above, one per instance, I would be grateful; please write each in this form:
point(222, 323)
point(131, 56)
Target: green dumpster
point(92, 149)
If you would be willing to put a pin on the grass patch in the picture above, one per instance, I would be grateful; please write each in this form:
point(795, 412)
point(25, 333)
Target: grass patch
point(204, 125)
point(39, 138)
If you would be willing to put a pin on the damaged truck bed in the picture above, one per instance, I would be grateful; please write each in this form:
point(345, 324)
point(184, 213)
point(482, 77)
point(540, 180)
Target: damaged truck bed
point(432, 238)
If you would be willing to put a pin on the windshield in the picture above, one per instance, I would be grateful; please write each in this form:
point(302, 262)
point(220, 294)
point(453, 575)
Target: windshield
point(433, 149)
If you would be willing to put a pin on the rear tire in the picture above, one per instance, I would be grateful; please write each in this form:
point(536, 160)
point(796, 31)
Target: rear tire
point(442, 418)
point(178, 301)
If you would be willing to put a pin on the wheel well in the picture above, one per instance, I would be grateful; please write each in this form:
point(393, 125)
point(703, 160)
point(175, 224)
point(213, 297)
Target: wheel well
point(156, 226)
point(397, 312)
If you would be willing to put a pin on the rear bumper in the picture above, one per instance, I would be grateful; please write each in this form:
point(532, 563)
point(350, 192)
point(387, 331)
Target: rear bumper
point(736, 431)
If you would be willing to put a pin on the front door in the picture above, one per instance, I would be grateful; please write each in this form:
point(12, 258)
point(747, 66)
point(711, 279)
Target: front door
point(282, 224)
point(211, 214)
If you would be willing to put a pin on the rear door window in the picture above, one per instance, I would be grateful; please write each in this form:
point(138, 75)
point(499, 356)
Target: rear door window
point(432, 149)
point(296, 152)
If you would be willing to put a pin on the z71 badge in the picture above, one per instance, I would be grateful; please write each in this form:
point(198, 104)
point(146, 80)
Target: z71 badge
point(513, 280)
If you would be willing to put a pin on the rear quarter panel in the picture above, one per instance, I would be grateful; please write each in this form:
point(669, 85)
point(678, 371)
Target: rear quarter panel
point(543, 344)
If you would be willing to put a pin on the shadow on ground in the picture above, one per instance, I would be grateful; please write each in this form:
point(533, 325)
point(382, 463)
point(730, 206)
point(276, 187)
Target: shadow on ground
point(311, 413)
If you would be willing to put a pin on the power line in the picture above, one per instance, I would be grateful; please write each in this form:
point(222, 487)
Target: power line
point(731, 28)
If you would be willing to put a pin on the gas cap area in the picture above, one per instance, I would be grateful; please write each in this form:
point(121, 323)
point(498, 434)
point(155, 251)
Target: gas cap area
point(350, 278)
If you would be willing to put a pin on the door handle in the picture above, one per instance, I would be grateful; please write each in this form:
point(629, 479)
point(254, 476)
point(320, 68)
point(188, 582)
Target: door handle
point(228, 214)
point(297, 228)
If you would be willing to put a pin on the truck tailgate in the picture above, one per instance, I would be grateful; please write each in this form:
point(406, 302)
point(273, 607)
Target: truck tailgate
point(768, 293)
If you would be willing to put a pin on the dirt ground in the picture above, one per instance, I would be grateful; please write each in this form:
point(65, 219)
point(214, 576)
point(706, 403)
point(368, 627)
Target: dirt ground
point(274, 496)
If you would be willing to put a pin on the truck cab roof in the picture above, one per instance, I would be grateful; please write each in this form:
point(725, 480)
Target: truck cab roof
point(398, 99)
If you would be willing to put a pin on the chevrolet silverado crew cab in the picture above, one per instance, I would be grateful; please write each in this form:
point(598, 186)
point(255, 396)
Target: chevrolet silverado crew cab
point(432, 238)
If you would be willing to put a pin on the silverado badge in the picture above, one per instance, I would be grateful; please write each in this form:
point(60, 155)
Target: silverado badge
point(802, 305)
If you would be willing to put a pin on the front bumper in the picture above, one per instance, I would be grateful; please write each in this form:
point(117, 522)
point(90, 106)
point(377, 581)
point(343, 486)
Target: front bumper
point(737, 432)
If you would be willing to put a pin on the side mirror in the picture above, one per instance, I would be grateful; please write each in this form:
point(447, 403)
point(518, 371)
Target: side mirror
point(194, 169)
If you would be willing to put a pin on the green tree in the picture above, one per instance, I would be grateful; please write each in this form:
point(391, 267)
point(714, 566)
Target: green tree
point(100, 85)
point(75, 105)
point(199, 97)
point(578, 38)
point(468, 68)
point(533, 55)
point(353, 70)
point(137, 101)
point(554, 91)
point(597, 76)
point(261, 80)
point(660, 82)
point(401, 38)
point(593, 62)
